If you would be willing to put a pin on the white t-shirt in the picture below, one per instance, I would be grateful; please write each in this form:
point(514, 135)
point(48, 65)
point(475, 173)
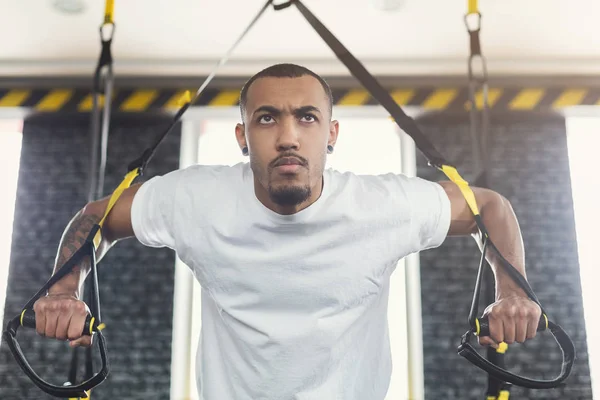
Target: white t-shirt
point(294, 307)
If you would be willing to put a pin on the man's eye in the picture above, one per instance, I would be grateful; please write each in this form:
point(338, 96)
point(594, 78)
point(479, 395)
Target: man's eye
point(265, 119)
point(309, 118)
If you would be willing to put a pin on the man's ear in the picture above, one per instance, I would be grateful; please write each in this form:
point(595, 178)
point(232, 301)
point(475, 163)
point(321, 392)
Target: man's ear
point(240, 136)
point(334, 128)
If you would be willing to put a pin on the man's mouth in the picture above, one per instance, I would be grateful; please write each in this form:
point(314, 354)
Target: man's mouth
point(288, 165)
point(288, 161)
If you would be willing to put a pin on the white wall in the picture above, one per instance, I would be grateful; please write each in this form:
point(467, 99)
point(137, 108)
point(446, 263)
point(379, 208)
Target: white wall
point(583, 140)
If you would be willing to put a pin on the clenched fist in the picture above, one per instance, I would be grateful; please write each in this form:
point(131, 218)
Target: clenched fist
point(62, 316)
point(512, 318)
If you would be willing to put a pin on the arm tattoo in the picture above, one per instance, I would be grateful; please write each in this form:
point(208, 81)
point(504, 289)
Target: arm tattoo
point(73, 238)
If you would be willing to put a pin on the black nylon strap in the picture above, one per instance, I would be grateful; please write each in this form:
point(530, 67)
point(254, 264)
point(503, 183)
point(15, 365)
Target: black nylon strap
point(470, 353)
point(406, 123)
point(435, 159)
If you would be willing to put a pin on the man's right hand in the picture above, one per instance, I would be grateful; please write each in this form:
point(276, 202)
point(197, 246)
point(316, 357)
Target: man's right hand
point(62, 316)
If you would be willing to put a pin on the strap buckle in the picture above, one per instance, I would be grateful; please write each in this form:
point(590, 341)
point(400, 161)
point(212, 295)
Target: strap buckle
point(282, 6)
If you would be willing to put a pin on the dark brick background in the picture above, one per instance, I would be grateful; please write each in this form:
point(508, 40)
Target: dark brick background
point(529, 165)
point(136, 282)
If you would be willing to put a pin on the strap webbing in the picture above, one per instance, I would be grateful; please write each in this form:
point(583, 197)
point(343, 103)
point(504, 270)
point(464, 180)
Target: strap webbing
point(409, 126)
point(109, 11)
point(473, 6)
point(405, 122)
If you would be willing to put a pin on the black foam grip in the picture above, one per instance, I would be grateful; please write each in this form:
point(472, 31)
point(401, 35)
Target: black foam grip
point(28, 321)
point(484, 326)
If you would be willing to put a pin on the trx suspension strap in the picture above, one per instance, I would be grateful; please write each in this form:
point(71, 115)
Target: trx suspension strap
point(102, 98)
point(93, 325)
point(478, 95)
point(478, 326)
point(102, 88)
point(479, 128)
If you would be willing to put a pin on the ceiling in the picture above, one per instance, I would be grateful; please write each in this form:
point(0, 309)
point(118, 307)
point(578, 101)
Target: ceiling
point(187, 37)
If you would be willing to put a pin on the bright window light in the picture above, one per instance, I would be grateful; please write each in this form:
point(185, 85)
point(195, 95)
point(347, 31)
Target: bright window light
point(583, 141)
point(10, 156)
point(364, 146)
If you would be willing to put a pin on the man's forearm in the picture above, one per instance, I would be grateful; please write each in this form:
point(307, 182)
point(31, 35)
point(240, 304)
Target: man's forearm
point(503, 228)
point(73, 238)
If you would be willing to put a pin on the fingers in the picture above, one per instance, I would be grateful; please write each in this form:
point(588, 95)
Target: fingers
point(62, 323)
point(51, 322)
point(510, 330)
point(84, 341)
point(512, 320)
point(488, 341)
point(40, 318)
point(521, 327)
point(62, 317)
point(532, 328)
point(77, 321)
point(497, 328)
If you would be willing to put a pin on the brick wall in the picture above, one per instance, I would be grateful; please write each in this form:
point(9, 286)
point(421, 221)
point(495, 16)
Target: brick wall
point(136, 282)
point(529, 165)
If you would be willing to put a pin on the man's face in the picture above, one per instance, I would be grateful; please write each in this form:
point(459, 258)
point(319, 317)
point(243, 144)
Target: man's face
point(287, 129)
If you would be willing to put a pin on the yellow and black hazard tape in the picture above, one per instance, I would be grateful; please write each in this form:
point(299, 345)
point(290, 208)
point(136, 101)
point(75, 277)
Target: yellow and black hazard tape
point(429, 98)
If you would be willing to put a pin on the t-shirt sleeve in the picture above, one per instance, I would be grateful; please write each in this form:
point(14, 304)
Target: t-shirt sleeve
point(152, 210)
point(424, 205)
point(430, 212)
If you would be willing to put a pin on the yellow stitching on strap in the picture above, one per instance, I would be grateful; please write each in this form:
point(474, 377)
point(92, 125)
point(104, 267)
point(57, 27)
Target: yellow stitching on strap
point(109, 11)
point(463, 185)
point(478, 326)
point(473, 7)
point(491, 398)
point(22, 315)
point(546, 318)
point(129, 178)
point(92, 325)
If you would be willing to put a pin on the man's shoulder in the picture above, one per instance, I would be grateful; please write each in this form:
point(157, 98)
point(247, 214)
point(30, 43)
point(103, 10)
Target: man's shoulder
point(385, 181)
point(214, 169)
point(206, 173)
point(207, 177)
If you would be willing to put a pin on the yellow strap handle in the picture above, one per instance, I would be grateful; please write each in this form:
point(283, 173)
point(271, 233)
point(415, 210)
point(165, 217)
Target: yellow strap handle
point(109, 12)
point(473, 6)
point(504, 395)
point(463, 185)
point(129, 178)
point(502, 348)
point(87, 392)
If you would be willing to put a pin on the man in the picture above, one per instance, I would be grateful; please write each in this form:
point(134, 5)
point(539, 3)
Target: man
point(294, 259)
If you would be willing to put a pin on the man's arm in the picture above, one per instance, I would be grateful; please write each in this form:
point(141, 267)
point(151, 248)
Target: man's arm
point(62, 314)
point(116, 227)
point(513, 317)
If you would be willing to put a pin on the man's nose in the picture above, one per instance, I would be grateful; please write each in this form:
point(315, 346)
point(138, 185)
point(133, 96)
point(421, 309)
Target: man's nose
point(288, 135)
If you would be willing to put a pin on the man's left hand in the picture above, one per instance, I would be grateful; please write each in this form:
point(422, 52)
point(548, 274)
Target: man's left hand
point(513, 318)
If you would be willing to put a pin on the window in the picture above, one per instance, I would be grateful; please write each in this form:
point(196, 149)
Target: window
point(583, 142)
point(10, 145)
point(366, 145)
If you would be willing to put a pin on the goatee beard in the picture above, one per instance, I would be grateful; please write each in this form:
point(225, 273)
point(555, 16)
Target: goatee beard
point(289, 195)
